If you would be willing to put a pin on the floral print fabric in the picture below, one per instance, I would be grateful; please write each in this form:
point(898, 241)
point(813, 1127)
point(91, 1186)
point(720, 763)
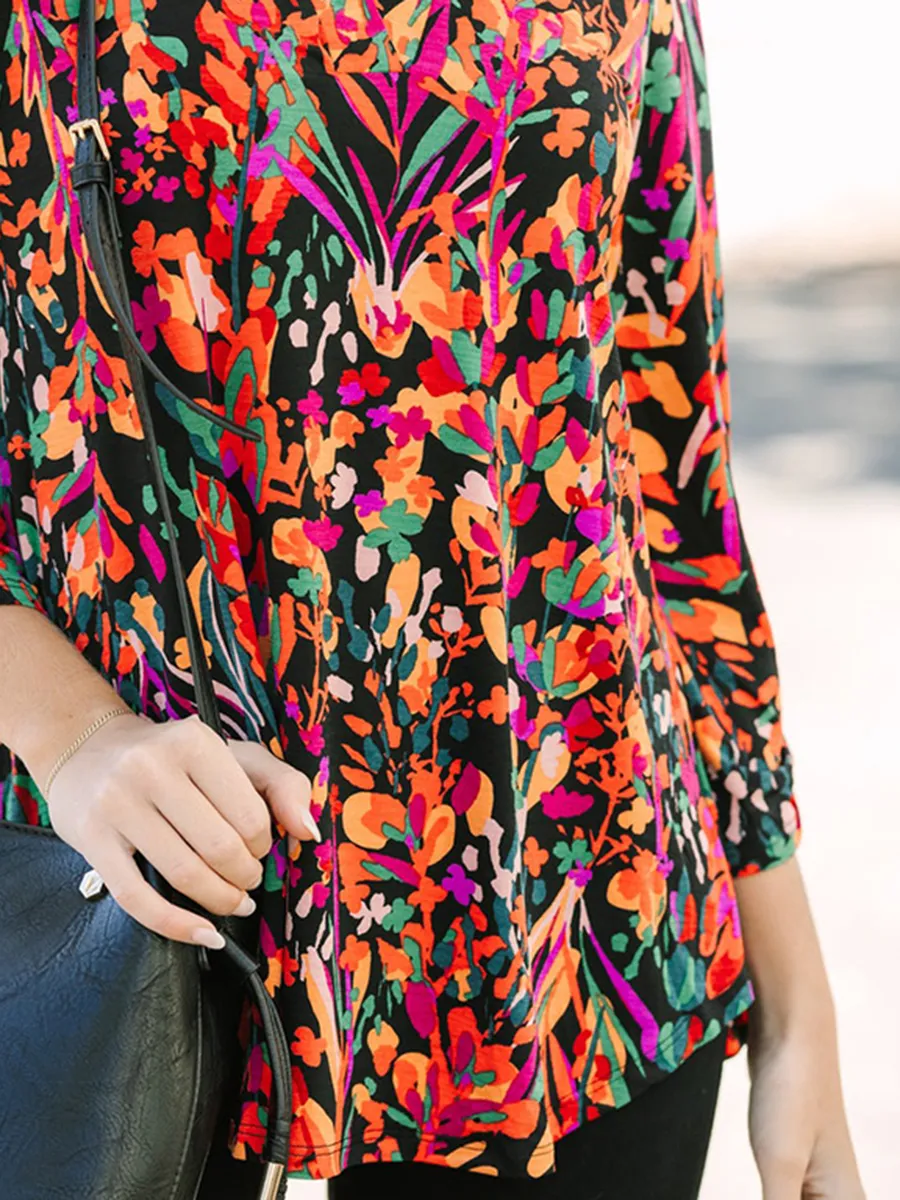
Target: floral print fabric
point(483, 578)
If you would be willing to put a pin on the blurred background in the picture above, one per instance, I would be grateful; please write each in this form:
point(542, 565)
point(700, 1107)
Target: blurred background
point(808, 162)
point(804, 112)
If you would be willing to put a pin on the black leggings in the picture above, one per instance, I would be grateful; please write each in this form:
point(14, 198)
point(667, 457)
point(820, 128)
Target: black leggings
point(652, 1149)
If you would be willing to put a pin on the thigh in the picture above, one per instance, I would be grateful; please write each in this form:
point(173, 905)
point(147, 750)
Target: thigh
point(655, 1146)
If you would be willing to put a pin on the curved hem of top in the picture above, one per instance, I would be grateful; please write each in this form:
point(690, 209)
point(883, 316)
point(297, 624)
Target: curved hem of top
point(540, 1152)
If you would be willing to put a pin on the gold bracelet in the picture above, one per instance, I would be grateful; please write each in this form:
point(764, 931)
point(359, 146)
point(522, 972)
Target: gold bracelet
point(80, 740)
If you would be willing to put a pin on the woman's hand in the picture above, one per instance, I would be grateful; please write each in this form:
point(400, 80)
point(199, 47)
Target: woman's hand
point(198, 809)
point(798, 1128)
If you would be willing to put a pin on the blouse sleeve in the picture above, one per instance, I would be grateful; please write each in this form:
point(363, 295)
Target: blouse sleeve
point(19, 541)
point(671, 338)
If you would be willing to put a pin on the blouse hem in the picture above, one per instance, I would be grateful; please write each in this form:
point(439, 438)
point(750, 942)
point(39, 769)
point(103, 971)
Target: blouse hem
point(357, 1148)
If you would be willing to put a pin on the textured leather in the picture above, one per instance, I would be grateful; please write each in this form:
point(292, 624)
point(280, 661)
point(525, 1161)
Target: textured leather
point(113, 1053)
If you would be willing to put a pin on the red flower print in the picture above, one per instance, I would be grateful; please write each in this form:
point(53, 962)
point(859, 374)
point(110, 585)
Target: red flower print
point(355, 386)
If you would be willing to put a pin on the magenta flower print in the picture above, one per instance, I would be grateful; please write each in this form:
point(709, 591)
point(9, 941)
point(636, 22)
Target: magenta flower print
point(379, 415)
point(657, 198)
point(165, 188)
point(677, 248)
point(323, 533)
point(369, 502)
point(458, 883)
point(411, 426)
point(149, 316)
point(351, 391)
point(312, 406)
point(595, 523)
point(562, 802)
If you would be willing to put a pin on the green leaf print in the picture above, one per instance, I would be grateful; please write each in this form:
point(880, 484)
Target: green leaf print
point(460, 443)
point(683, 217)
point(576, 855)
point(397, 521)
point(306, 584)
point(466, 355)
point(662, 87)
point(174, 47)
point(685, 979)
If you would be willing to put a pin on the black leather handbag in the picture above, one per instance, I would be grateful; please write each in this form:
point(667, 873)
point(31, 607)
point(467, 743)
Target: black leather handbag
point(118, 1044)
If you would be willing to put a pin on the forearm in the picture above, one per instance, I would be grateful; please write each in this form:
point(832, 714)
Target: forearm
point(783, 954)
point(48, 692)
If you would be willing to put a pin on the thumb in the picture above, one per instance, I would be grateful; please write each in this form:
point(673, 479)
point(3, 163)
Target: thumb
point(286, 790)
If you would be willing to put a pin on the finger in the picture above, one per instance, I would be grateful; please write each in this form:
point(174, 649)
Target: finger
point(286, 790)
point(131, 891)
point(163, 846)
point(219, 777)
point(207, 832)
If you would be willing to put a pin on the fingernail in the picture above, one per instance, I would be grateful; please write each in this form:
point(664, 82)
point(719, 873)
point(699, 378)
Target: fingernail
point(211, 938)
point(311, 825)
point(246, 907)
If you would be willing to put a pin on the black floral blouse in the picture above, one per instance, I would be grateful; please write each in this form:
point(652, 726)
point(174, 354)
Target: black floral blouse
point(483, 578)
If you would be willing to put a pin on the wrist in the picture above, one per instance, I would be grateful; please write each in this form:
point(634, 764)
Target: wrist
point(62, 734)
point(804, 1012)
point(49, 692)
point(793, 997)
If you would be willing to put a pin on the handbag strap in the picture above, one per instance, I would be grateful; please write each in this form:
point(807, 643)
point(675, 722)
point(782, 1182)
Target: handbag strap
point(93, 180)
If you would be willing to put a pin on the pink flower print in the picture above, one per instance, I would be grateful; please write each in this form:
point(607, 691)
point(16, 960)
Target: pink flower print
point(313, 739)
point(131, 160)
point(166, 187)
point(323, 533)
point(411, 426)
point(595, 523)
point(561, 803)
point(311, 406)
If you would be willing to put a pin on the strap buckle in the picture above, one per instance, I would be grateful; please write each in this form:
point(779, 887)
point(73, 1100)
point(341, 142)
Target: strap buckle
point(80, 130)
